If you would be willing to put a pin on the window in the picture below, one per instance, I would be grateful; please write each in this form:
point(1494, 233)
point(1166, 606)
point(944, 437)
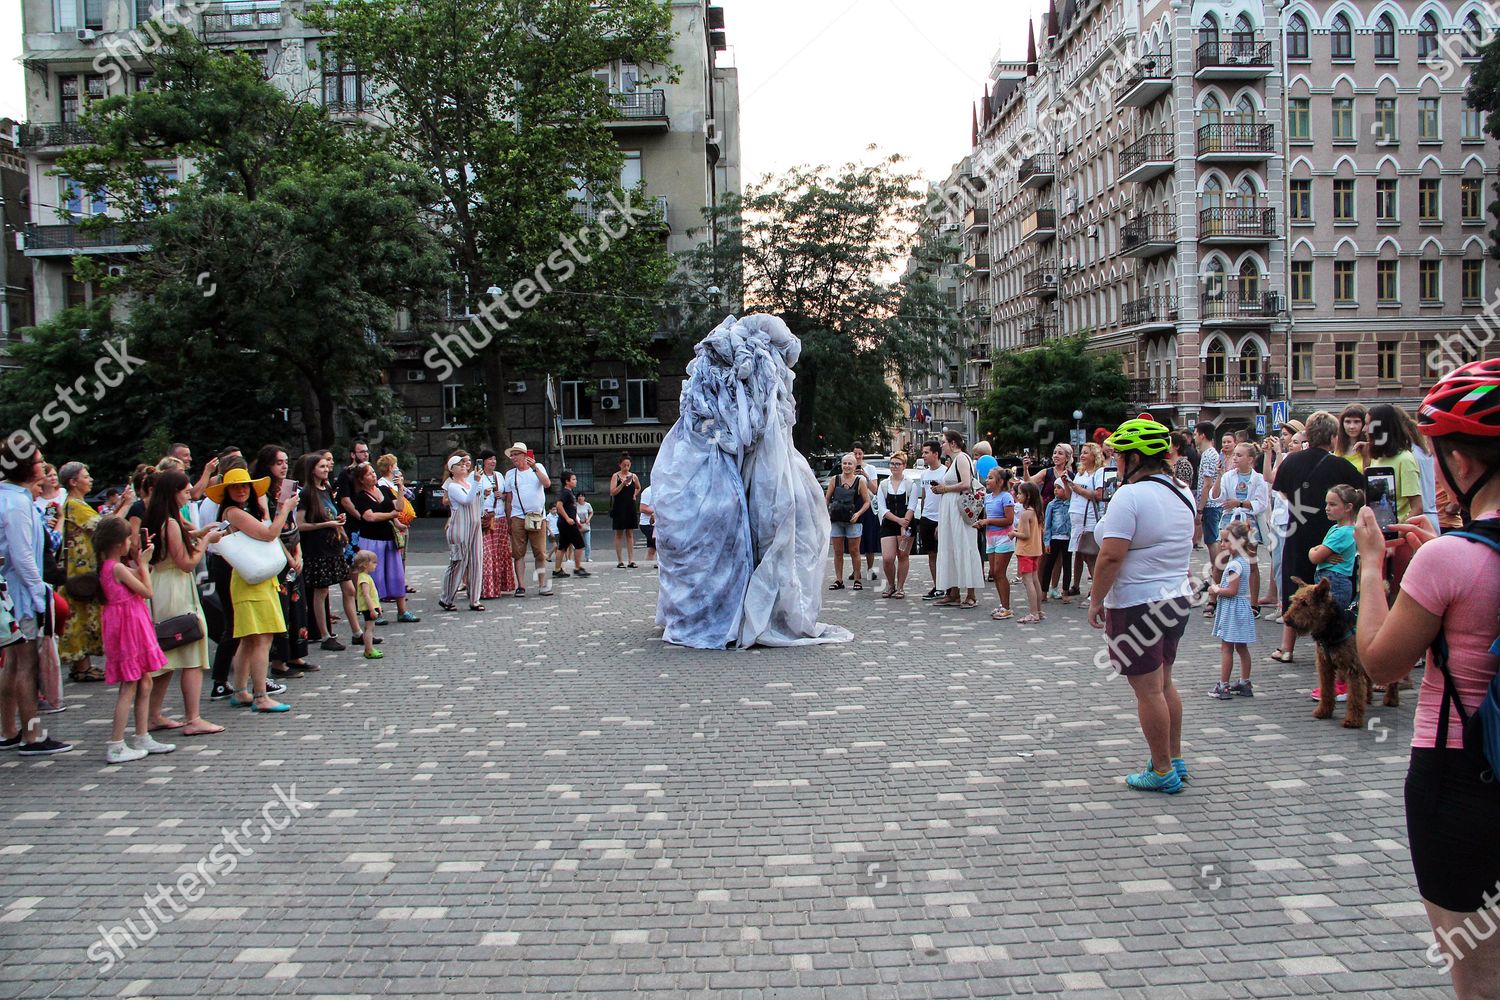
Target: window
point(1296, 38)
point(1343, 119)
point(1343, 199)
point(1429, 129)
point(630, 170)
point(1427, 37)
point(1385, 199)
point(65, 15)
point(1387, 283)
point(1301, 200)
point(70, 197)
point(67, 96)
point(1343, 282)
point(1208, 31)
point(93, 14)
point(1430, 273)
point(1473, 280)
point(1388, 360)
point(461, 403)
point(1385, 38)
point(1471, 127)
point(575, 406)
point(1343, 362)
point(344, 87)
point(1474, 36)
point(144, 82)
point(1385, 121)
point(1299, 119)
point(1432, 362)
point(1430, 199)
point(1249, 283)
point(1302, 282)
point(1341, 38)
point(1470, 191)
point(640, 399)
point(1302, 362)
point(160, 184)
point(1242, 37)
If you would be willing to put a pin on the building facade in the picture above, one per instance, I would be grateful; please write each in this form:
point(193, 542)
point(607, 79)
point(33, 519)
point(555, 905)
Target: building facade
point(1250, 201)
point(680, 140)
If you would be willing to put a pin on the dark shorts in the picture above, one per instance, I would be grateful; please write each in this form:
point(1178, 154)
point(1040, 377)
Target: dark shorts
point(1452, 814)
point(927, 536)
point(649, 530)
point(368, 616)
point(1143, 637)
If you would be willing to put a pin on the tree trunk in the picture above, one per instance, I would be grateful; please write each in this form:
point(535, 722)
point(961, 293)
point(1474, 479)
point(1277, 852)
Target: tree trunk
point(311, 416)
point(805, 389)
point(326, 428)
point(493, 370)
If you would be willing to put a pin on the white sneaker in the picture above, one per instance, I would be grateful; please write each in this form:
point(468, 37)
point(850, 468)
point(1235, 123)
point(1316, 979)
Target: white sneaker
point(147, 743)
point(119, 753)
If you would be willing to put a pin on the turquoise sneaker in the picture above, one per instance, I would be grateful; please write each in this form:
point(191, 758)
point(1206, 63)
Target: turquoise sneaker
point(1149, 781)
point(1178, 764)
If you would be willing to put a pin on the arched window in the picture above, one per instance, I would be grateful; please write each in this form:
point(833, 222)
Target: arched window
point(1213, 193)
point(1246, 191)
point(1474, 36)
point(1427, 37)
point(1341, 38)
point(1208, 32)
point(1213, 111)
point(1213, 279)
point(1249, 284)
point(1215, 365)
point(1250, 364)
point(1245, 107)
point(1242, 38)
point(1296, 38)
point(1385, 38)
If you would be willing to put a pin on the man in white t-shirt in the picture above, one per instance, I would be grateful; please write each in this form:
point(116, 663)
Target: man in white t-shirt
point(648, 525)
point(524, 493)
point(927, 521)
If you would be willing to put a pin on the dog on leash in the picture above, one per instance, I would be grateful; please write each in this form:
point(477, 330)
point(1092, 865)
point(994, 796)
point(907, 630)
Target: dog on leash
point(1314, 611)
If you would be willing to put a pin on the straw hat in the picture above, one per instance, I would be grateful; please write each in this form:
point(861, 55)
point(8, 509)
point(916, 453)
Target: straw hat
point(519, 448)
point(237, 477)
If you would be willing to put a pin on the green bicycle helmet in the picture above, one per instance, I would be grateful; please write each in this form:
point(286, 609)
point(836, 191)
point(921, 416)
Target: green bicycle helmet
point(1143, 434)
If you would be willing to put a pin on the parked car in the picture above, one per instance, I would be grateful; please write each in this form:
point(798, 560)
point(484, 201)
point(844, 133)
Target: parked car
point(431, 501)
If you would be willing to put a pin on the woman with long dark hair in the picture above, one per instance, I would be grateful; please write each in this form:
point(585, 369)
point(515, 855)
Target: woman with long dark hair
point(289, 648)
point(174, 593)
point(378, 509)
point(321, 525)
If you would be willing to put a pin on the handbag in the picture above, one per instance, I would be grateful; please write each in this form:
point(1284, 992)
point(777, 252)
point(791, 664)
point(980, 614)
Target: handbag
point(83, 586)
point(179, 630)
point(254, 560)
point(1088, 545)
point(971, 505)
point(534, 520)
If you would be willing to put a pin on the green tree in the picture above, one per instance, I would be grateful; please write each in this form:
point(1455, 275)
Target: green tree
point(821, 249)
point(496, 100)
point(1484, 94)
point(1034, 393)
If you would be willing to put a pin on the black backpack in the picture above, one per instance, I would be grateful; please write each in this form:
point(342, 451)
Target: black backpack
point(1482, 728)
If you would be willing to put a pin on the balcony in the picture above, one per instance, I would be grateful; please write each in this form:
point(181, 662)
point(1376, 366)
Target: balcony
point(973, 182)
point(1148, 80)
point(980, 351)
point(1147, 158)
point(1040, 326)
point(1037, 171)
point(639, 109)
point(1236, 387)
point(977, 220)
point(37, 134)
point(1149, 235)
point(1149, 392)
point(1242, 58)
point(1042, 282)
point(1243, 141)
point(1238, 306)
point(68, 240)
point(979, 263)
point(1039, 227)
point(1150, 311)
point(1221, 226)
point(233, 18)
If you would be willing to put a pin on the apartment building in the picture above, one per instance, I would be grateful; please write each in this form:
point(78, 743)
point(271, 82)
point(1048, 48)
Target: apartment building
point(680, 140)
point(1250, 201)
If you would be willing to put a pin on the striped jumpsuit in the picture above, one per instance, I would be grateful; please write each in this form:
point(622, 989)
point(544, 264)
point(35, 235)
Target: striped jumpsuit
point(465, 541)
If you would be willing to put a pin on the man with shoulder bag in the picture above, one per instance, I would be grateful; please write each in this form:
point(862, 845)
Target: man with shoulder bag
point(524, 494)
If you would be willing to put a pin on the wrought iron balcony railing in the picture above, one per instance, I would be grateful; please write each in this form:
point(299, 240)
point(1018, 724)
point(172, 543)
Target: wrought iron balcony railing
point(1149, 309)
point(1237, 304)
point(1153, 227)
point(1249, 223)
point(639, 104)
point(1237, 138)
point(1154, 148)
point(1234, 386)
point(1246, 53)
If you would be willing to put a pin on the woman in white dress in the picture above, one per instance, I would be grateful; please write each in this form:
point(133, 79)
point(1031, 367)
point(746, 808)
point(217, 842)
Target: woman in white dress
point(958, 566)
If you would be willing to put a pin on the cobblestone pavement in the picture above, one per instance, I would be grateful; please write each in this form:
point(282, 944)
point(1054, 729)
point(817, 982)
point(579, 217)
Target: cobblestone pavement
point(545, 799)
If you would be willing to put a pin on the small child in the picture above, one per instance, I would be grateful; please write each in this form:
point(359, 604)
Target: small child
point(367, 600)
point(999, 515)
point(1234, 623)
point(1027, 534)
point(1059, 531)
point(131, 652)
point(1335, 557)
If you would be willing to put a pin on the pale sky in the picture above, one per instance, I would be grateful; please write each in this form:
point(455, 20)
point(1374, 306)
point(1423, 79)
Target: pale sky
point(819, 79)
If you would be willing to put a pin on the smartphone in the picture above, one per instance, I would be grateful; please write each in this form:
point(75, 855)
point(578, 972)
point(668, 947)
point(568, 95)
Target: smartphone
point(1381, 497)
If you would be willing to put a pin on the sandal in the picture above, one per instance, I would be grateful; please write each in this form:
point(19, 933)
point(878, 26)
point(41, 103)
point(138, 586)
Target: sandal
point(630, 565)
point(1000, 614)
point(476, 607)
point(619, 565)
point(89, 676)
point(837, 585)
point(1280, 656)
point(1209, 609)
point(857, 586)
point(887, 594)
point(968, 603)
point(1028, 620)
point(206, 728)
point(898, 594)
point(943, 602)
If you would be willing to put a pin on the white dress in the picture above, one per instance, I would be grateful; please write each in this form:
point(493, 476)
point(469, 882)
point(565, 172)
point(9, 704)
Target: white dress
point(958, 556)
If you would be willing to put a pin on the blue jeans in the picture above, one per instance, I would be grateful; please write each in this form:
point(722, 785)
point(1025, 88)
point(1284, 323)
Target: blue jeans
point(1341, 585)
point(1211, 518)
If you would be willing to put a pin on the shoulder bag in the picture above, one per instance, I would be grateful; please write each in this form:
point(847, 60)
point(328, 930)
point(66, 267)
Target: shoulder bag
point(83, 586)
point(971, 503)
point(487, 519)
point(179, 630)
point(254, 560)
point(534, 520)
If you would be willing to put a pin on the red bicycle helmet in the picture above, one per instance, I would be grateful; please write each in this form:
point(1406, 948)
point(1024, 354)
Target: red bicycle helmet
point(1465, 401)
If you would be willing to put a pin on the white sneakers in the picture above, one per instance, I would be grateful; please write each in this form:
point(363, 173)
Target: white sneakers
point(140, 746)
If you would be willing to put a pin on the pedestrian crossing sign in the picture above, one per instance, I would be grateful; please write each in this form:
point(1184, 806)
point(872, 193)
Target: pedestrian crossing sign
point(1279, 414)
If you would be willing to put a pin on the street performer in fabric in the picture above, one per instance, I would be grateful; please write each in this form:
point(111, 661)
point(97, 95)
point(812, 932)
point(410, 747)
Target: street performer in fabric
point(741, 526)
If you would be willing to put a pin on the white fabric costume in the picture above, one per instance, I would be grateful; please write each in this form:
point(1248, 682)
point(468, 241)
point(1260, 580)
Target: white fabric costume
point(741, 525)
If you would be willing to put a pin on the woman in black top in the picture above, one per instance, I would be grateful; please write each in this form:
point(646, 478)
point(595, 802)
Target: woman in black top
point(288, 647)
point(377, 510)
point(625, 511)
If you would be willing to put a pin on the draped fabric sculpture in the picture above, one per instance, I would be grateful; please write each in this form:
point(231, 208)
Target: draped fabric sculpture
point(741, 526)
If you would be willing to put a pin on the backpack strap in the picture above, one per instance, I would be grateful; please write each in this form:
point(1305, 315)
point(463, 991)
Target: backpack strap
point(1174, 490)
point(1485, 533)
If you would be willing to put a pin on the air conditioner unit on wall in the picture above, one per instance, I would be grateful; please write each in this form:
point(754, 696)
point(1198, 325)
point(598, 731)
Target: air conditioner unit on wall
point(1049, 279)
point(416, 375)
point(609, 385)
point(117, 270)
point(515, 388)
point(87, 34)
point(609, 402)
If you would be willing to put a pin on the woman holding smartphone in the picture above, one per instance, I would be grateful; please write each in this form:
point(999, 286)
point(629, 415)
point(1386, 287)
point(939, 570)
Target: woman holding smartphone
point(895, 502)
point(321, 526)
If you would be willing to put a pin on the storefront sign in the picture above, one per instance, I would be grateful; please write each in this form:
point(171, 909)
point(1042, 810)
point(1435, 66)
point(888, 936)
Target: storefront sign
point(613, 438)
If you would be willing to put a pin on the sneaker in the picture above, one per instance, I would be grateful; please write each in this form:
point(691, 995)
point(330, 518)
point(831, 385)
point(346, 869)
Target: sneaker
point(544, 593)
point(45, 748)
point(374, 654)
point(45, 708)
point(1149, 781)
point(1179, 765)
point(331, 644)
point(560, 574)
point(382, 620)
point(274, 688)
point(359, 640)
point(1055, 594)
point(407, 618)
point(119, 753)
point(1221, 692)
point(149, 744)
point(1340, 693)
point(14, 743)
point(1243, 689)
point(931, 595)
point(220, 692)
point(582, 572)
point(520, 592)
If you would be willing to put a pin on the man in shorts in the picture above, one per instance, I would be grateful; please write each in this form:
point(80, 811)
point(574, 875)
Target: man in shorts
point(21, 548)
point(524, 492)
point(927, 523)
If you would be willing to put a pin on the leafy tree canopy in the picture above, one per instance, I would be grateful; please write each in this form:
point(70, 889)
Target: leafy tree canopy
point(1034, 393)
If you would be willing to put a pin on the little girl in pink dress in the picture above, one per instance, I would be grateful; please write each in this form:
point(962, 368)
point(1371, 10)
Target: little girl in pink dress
point(131, 652)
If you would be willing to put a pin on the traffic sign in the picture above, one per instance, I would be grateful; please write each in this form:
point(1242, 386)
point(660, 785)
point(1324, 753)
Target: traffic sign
point(1260, 425)
point(1076, 437)
point(1279, 414)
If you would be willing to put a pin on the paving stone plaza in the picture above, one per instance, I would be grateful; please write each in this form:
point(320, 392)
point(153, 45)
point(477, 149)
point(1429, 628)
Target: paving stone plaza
point(544, 799)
